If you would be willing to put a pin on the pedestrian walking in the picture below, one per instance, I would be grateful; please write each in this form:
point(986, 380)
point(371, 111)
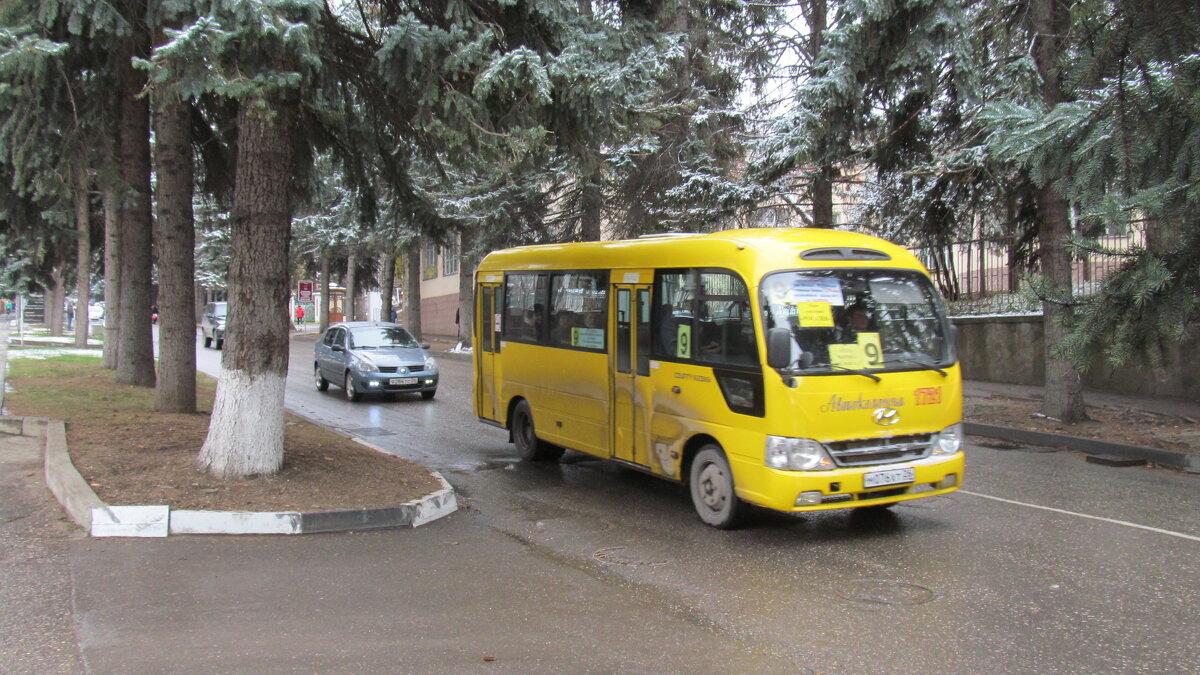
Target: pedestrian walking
point(299, 315)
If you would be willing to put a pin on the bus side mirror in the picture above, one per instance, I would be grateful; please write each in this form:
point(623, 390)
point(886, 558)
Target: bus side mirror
point(779, 348)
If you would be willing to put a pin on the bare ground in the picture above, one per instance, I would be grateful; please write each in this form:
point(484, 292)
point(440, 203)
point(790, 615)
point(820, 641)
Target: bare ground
point(131, 454)
point(1128, 426)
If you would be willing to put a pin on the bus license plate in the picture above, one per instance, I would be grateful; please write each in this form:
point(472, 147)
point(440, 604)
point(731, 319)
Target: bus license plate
point(402, 380)
point(889, 477)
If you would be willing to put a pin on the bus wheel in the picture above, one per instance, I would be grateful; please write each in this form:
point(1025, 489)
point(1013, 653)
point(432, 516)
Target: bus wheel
point(711, 483)
point(525, 437)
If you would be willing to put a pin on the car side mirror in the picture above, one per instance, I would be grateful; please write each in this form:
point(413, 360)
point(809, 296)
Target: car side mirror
point(424, 345)
point(337, 348)
point(779, 348)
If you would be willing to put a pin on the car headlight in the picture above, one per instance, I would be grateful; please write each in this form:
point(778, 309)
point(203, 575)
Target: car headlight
point(797, 454)
point(430, 363)
point(363, 365)
point(949, 440)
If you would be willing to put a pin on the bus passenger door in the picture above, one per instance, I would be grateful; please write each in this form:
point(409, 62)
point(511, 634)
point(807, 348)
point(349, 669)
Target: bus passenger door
point(487, 346)
point(631, 356)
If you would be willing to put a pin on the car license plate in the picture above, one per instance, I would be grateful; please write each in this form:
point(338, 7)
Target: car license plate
point(402, 380)
point(889, 477)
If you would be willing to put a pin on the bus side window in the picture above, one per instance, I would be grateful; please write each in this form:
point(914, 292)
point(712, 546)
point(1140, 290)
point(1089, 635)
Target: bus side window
point(524, 308)
point(579, 310)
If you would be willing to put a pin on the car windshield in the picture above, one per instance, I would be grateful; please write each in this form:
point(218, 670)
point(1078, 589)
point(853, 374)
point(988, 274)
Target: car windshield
point(378, 337)
point(858, 320)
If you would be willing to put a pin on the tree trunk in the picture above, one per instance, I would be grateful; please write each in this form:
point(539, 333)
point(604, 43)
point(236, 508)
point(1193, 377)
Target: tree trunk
point(135, 362)
point(112, 281)
point(1063, 398)
point(822, 196)
point(57, 297)
point(466, 287)
point(245, 436)
point(387, 284)
point(323, 314)
point(591, 214)
point(83, 257)
point(412, 292)
point(349, 302)
point(176, 240)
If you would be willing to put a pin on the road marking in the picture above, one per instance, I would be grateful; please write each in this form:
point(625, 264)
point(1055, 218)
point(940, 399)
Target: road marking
point(1084, 515)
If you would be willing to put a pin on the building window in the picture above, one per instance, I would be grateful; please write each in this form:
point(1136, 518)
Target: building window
point(429, 262)
point(449, 260)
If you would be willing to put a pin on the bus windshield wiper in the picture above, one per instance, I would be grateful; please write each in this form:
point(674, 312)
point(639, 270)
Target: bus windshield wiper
point(926, 366)
point(856, 371)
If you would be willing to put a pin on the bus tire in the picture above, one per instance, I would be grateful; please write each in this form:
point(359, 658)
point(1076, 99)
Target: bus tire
point(711, 484)
point(529, 447)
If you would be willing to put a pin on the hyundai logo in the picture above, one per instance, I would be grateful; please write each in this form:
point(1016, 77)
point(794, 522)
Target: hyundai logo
point(886, 417)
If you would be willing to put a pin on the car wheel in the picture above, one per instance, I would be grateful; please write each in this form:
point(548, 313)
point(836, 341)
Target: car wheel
point(529, 447)
point(207, 342)
point(428, 395)
point(351, 393)
point(711, 484)
point(322, 383)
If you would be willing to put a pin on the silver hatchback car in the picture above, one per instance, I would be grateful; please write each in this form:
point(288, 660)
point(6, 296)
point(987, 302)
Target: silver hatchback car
point(365, 357)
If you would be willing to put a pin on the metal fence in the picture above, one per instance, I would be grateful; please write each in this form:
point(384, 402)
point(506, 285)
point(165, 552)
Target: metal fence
point(980, 267)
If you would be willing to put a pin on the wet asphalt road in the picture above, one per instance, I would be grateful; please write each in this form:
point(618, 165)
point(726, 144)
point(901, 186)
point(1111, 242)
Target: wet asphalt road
point(1042, 563)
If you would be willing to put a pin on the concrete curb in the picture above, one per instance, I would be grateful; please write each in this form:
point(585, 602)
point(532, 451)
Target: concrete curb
point(102, 520)
point(1169, 458)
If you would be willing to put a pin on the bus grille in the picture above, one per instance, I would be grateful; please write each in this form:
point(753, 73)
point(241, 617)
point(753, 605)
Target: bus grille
point(870, 451)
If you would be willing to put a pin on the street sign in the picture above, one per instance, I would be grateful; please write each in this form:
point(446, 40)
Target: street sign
point(305, 294)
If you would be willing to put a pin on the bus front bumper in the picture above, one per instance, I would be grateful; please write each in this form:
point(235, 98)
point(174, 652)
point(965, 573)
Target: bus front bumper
point(801, 491)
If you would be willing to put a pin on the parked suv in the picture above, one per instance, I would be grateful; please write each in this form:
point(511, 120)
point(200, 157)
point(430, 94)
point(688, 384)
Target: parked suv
point(213, 324)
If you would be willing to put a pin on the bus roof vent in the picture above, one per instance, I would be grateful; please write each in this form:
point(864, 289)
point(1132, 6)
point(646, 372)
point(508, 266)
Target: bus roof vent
point(844, 253)
point(662, 235)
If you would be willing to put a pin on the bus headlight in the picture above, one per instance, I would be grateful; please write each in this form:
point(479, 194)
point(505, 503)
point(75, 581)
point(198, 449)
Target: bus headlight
point(949, 440)
point(796, 454)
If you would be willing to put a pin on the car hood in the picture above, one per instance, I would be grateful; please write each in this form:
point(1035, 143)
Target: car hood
point(393, 356)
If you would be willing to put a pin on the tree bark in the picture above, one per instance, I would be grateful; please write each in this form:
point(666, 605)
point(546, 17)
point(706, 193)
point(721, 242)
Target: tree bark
point(1063, 397)
point(112, 281)
point(387, 284)
point(591, 208)
point(245, 436)
point(323, 314)
point(349, 302)
point(176, 242)
point(57, 297)
point(466, 287)
point(83, 257)
point(412, 292)
point(135, 360)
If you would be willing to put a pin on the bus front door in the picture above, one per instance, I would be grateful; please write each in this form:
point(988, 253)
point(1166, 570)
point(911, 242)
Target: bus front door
point(631, 368)
point(487, 328)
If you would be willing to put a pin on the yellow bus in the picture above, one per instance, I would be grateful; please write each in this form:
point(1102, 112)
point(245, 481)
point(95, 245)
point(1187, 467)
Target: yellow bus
point(794, 369)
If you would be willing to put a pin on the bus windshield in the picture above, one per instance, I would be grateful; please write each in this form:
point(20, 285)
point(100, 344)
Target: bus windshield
point(858, 320)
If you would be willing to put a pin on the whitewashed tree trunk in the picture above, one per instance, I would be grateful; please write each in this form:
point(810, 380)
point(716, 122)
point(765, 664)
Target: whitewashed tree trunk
point(246, 432)
point(247, 414)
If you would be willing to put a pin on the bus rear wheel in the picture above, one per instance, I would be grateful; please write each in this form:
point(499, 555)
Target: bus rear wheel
point(711, 483)
point(525, 437)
